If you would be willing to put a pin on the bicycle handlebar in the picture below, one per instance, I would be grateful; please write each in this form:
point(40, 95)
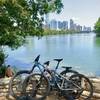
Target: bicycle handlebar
point(36, 61)
point(37, 58)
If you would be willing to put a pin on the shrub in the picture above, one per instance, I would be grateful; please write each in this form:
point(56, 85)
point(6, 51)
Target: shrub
point(2, 71)
point(2, 66)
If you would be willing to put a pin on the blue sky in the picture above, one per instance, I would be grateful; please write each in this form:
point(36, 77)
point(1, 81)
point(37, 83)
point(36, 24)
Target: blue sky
point(84, 12)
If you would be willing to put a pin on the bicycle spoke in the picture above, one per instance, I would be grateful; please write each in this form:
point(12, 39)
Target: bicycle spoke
point(37, 87)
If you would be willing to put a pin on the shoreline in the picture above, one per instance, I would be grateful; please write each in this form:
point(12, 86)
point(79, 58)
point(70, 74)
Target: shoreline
point(5, 81)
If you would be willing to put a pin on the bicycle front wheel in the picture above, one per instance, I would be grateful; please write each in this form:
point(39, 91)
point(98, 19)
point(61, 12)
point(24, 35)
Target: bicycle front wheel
point(16, 84)
point(37, 86)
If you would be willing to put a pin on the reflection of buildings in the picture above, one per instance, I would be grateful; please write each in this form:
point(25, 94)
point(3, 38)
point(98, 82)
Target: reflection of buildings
point(30, 42)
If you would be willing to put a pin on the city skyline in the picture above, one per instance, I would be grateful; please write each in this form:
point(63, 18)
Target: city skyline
point(65, 25)
point(83, 12)
point(68, 23)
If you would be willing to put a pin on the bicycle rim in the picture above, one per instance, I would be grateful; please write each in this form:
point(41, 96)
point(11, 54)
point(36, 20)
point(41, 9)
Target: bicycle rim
point(37, 86)
point(16, 84)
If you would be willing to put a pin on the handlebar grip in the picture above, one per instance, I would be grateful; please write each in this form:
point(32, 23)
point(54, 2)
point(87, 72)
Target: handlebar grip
point(37, 58)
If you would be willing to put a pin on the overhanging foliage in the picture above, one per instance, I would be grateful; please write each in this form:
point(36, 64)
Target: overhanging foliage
point(20, 18)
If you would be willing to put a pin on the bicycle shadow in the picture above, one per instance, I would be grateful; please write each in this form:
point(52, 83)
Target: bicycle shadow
point(20, 98)
point(25, 98)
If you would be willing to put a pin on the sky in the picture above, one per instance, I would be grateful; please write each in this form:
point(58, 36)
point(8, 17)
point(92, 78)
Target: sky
point(83, 12)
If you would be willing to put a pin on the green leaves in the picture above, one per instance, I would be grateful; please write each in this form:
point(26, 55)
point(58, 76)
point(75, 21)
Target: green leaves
point(2, 71)
point(2, 57)
point(97, 27)
point(21, 18)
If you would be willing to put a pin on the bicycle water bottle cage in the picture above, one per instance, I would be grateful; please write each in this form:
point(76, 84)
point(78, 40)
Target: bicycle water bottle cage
point(59, 60)
point(37, 58)
point(67, 68)
point(47, 63)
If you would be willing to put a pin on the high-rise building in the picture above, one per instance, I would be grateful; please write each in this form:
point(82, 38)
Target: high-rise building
point(74, 27)
point(88, 29)
point(65, 24)
point(53, 24)
point(78, 28)
point(72, 24)
point(62, 25)
point(46, 19)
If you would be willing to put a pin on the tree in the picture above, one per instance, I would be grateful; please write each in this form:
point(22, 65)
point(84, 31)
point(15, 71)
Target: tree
point(20, 18)
point(97, 27)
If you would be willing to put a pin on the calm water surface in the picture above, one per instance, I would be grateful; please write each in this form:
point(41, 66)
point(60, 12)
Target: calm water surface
point(81, 51)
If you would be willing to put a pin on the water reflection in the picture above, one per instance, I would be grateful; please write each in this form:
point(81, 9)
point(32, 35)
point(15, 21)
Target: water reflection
point(82, 51)
point(97, 41)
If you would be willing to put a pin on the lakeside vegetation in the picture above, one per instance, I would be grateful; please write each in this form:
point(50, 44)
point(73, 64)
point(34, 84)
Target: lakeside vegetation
point(97, 27)
point(55, 32)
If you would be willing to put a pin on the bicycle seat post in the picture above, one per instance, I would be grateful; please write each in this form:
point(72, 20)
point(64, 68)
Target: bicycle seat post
point(58, 60)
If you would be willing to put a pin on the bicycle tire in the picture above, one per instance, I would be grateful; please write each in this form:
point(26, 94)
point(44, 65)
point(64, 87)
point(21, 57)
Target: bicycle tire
point(16, 83)
point(34, 86)
point(80, 78)
point(69, 72)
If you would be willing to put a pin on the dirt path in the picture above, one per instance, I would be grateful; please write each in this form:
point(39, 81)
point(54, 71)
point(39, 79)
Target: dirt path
point(53, 96)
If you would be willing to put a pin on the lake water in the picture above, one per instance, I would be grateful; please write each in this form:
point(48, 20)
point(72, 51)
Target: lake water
point(81, 51)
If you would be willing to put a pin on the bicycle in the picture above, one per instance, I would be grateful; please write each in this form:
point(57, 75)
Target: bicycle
point(57, 81)
point(81, 79)
point(17, 83)
point(72, 85)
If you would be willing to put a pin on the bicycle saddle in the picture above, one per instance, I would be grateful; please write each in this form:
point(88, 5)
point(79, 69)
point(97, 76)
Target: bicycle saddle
point(47, 63)
point(67, 68)
point(59, 60)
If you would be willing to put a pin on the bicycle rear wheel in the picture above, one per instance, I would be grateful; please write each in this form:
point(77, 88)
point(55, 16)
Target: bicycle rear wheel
point(87, 87)
point(68, 73)
point(37, 86)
